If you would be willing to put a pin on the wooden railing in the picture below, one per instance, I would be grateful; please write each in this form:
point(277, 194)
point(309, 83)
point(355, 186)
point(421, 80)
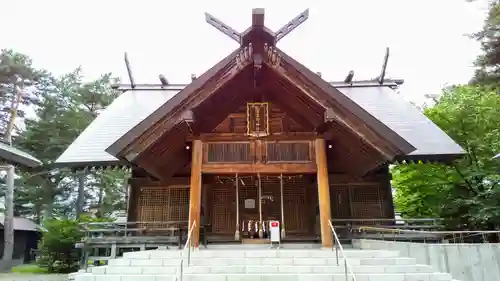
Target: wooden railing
point(258, 152)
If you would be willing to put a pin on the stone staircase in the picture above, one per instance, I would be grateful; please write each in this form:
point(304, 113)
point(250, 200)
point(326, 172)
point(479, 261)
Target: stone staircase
point(262, 265)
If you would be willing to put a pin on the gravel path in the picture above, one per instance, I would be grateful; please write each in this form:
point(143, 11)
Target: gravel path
point(33, 277)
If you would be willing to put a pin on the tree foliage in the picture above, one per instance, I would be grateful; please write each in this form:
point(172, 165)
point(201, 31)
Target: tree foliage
point(488, 63)
point(56, 111)
point(466, 192)
point(63, 112)
point(57, 246)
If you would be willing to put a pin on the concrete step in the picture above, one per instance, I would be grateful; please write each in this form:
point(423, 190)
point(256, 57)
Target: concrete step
point(286, 269)
point(257, 253)
point(269, 277)
point(126, 262)
point(256, 246)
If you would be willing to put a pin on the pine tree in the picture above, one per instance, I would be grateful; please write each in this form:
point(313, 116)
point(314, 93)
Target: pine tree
point(488, 63)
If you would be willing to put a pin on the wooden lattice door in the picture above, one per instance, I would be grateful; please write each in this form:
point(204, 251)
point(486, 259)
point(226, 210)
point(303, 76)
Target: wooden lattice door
point(340, 199)
point(224, 216)
point(296, 208)
point(271, 198)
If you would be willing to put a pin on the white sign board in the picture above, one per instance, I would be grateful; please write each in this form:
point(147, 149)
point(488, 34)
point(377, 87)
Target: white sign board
point(274, 227)
point(249, 203)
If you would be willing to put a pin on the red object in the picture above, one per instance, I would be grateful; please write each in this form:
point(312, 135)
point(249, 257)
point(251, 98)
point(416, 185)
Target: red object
point(275, 224)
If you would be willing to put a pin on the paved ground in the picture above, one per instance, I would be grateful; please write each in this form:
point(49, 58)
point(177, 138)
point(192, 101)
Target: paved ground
point(33, 277)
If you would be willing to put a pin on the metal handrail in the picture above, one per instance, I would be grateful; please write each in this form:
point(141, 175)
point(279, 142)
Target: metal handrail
point(338, 246)
point(400, 230)
point(188, 245)
point(444, 235)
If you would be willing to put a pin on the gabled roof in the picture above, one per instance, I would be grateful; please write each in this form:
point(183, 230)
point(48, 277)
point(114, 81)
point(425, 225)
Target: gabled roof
point(346, 111)
point(405, 119)
point(380, 101)
point(172, 103)
point(22, 224)
point(126, 111)
point(16, 156)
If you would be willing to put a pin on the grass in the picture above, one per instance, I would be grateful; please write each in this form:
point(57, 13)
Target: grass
point(29, 268)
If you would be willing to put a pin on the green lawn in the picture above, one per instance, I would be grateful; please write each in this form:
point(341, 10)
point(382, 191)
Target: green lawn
point(29, 268)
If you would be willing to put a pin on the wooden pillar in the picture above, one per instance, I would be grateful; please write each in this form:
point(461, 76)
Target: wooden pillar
point(323, 192)
point(195, 191)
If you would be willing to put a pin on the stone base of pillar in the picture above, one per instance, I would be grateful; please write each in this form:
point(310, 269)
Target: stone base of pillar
point(237, 235)
point(283, 233)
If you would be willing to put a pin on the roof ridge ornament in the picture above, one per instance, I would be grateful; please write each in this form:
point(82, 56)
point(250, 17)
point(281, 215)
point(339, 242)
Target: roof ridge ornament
point(291, 25)
point(257, 22)
point(381, 77)
point(129, 71)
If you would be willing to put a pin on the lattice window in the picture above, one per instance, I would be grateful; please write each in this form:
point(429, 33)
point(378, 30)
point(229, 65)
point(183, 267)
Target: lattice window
point(162, 204)
point(228, 152)
point(288, 151)
point(367, 202)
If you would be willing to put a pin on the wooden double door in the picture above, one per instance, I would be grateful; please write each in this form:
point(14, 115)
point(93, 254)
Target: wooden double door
point(299, 204)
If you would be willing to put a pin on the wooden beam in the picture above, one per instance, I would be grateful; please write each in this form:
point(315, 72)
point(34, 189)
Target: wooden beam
point(285, 168)
point(323, 193)
point(222, 27)
point(258, 17)
point(212, 112)
point(291, 25)
point(348, 112)
point(173, 117)
point(208, 137)
point(304, 122)
point(195, 192)
point(143, 182)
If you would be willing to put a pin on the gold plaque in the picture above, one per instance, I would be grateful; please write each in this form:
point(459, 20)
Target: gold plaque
point(258, 119)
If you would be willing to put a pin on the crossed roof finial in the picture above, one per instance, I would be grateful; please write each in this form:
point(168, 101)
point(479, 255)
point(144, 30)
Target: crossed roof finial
point(257, 23)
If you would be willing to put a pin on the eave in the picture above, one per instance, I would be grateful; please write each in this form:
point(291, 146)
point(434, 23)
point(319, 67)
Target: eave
point(172, 106)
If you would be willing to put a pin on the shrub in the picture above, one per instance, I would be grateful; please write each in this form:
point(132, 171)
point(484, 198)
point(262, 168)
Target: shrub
point(57, 247)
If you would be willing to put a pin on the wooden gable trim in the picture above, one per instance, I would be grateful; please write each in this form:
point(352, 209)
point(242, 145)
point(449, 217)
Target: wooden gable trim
point(166, 116)
point(171, 107)
point(331, 98)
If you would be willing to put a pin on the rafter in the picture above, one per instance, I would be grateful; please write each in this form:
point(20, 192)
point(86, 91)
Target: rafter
point(221, 108)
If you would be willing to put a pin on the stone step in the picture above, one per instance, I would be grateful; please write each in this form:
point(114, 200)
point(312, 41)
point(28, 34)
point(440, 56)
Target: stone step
point(269, 277)
point(125, 262)
point(259, 254)
point(283, 246)
point(287, 269)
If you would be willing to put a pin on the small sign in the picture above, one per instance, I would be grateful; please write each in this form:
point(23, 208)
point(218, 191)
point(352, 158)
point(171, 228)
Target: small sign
point(258, 119)
point(249, 203)
point(275, 231)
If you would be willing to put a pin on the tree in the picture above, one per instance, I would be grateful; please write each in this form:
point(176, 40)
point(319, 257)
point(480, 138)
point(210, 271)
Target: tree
point(466, 192)
point(19, 83)
point(488, 63)
point(58, 252)
point(62, 113)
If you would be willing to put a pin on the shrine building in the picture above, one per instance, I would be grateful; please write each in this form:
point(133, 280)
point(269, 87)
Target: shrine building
point(260, 137)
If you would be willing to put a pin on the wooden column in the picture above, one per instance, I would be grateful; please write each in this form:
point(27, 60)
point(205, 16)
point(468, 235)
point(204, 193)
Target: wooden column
point(323, 192)
point(195, 191)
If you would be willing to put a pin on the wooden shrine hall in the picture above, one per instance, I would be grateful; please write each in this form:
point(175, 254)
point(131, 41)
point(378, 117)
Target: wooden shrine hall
point(259, 137)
